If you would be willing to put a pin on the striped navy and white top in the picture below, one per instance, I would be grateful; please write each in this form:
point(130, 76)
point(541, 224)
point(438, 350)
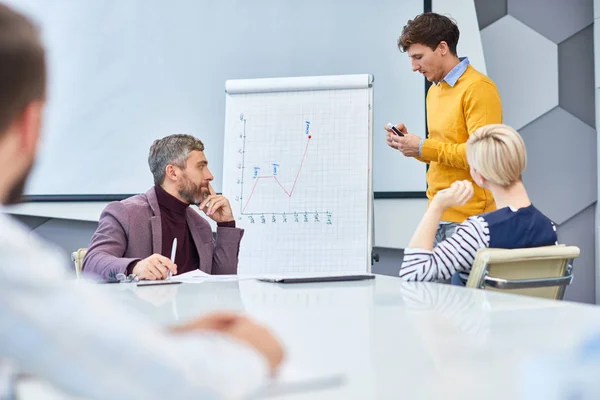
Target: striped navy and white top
point(505, 228)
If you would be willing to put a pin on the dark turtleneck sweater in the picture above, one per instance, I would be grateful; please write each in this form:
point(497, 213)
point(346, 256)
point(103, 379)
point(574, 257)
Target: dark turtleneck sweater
point(174, 225)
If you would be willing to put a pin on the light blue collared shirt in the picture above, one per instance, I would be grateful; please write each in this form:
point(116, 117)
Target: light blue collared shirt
point(456, 72)
point(82, 340)
point(451, 78)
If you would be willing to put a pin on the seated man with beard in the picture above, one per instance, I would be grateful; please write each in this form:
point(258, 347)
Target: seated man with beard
point(135, 235)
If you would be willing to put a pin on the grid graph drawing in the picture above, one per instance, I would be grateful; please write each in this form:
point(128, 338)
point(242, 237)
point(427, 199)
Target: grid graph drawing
point(297, 174)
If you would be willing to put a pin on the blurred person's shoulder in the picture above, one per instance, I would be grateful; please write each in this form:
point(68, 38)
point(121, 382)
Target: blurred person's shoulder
point(25, 254)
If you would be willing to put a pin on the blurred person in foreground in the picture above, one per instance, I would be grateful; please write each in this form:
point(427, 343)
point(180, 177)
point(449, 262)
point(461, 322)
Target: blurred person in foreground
point(71, 334)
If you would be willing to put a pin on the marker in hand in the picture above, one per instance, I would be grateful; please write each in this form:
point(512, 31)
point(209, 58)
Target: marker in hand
point(173, 251)
point(394, 129)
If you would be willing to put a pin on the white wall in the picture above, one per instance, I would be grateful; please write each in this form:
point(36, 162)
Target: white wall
point(122, 74)
point(395, 220)
point(465, 15)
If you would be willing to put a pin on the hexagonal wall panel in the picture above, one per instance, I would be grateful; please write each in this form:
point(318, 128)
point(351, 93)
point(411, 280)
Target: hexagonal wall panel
point(524, 65)
point(555, 19)
point(580, 231)
point(576, 74)
point(561, 168)
point(489, 11)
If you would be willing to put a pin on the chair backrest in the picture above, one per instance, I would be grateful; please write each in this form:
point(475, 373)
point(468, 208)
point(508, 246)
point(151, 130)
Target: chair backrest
point(77, 258)
point(538, 271)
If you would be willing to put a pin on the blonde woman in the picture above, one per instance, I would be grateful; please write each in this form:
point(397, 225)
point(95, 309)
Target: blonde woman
point(497, 157)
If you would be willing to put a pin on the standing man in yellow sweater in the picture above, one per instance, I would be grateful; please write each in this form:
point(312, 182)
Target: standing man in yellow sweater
point(460, 100)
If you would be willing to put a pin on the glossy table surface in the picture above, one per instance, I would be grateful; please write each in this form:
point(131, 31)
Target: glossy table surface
point(388, 339)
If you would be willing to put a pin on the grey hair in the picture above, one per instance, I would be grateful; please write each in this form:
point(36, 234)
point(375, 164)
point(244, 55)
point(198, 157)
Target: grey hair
point(172, 149)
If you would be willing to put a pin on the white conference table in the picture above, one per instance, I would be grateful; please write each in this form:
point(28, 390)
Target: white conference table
point(390, 339)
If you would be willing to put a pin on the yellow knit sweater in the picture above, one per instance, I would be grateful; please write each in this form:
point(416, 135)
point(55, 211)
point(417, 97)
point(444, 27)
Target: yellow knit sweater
point(453, 113)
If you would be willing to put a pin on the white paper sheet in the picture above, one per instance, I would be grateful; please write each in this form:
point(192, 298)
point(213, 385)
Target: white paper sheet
point(198, 276)
point(292, 380)
point(296, 170)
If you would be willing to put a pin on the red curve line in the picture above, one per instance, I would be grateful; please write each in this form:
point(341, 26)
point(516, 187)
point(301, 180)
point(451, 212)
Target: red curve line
point(289, 194)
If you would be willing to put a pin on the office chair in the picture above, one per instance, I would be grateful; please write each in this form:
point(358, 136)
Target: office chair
point(539, 271)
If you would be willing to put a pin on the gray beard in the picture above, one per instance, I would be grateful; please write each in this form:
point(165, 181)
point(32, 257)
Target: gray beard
point(188, 195)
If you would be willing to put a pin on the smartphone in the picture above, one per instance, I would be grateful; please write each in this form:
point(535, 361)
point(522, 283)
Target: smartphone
point(394, 129)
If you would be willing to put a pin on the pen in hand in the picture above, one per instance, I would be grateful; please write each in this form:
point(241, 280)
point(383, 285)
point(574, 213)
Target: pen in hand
point(173, 251)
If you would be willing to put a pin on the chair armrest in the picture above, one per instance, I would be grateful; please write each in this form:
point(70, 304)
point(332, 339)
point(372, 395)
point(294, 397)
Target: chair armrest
point(527, 283)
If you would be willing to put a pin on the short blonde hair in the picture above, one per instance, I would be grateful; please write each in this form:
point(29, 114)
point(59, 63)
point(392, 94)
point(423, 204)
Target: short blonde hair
point(498, 153)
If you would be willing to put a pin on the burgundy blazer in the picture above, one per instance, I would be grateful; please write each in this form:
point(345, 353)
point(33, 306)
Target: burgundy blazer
point(130, 230)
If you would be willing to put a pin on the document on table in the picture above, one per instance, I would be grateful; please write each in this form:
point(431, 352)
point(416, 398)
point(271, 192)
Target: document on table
point(199, 276)
point(292, 380)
